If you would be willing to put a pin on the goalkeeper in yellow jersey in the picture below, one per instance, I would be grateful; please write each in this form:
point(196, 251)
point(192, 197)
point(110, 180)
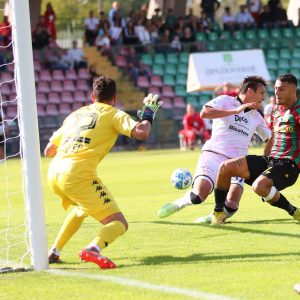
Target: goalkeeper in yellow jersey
point(84, 139)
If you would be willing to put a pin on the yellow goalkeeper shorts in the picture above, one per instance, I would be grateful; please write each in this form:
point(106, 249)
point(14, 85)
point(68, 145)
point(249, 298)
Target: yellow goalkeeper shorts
point(90, 195)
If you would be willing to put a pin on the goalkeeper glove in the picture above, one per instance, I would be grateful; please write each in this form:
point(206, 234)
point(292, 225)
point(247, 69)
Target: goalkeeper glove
point(150, 106)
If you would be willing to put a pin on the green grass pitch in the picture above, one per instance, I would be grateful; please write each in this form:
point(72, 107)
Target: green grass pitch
point(253, 256)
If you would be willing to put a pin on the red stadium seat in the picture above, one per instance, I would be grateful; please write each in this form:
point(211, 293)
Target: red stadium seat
point(71, 74)
point(82, 85)
point(67, 97)
point(56, 86)
point(41, 98)
point(43, 87)
point(155, 80)
point(179, 102)
point(68, 85)
point(64, 109)
point(54, 98)
point(40, 110)
point(80, 96)
point(83, 74)
point(7, 76)
point(167, 91)
point(45, 75)
point(58, 75)
point(5, 88)
point(143, 82)
point(77, 105)
point(37, 66)
point(121, 61)
point(154, 90)
point(51, 110)
point(167, 103)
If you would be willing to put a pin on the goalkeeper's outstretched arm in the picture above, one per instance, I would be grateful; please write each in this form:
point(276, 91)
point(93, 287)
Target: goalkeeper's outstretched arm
point(141, 131)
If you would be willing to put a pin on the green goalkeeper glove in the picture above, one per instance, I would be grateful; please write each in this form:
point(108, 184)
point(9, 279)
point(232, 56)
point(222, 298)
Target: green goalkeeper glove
point(150, 106)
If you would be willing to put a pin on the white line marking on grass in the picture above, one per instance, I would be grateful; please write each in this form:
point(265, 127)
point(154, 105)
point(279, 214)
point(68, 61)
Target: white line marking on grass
point(145, 285)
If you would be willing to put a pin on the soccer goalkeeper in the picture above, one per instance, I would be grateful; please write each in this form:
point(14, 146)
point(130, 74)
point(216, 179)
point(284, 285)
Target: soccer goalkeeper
point(84, 139)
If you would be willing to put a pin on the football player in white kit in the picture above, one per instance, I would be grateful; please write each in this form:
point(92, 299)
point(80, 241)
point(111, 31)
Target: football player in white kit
point(235, 120)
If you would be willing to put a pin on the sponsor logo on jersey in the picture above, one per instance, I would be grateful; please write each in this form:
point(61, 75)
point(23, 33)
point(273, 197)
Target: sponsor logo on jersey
point(240, 119)
point(231, 127)
point(283, 128)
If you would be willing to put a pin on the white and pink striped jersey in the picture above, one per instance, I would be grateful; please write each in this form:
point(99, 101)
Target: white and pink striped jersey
point(231, 135)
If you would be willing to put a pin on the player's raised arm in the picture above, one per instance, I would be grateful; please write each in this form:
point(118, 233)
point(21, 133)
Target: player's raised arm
point(150, 106)
point(209, 112)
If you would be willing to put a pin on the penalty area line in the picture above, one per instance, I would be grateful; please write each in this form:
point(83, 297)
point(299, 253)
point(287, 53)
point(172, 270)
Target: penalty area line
point(143, 285)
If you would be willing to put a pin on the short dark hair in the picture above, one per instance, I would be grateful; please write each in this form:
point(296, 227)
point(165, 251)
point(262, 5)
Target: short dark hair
point(252, 82)
point(290, 78)
point(104, 89)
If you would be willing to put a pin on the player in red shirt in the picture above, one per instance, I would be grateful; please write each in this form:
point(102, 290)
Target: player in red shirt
point(279, 168)
point(193, 127)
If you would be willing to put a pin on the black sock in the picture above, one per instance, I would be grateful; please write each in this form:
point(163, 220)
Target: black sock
point(229, 209)
point(283, 203)
point(220, 197)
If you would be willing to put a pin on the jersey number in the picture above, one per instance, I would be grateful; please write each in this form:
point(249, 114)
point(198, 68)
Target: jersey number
point(90, 125)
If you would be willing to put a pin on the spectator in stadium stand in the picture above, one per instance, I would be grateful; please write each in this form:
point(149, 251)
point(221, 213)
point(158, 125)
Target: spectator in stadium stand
point(227, 89)
point(176, 44)
point(244, 19)
point(60, 60)
point(113, 11)
point(254, 7)
point(50, 17)
point(266, 19)
point(130, 37)
point(5, 31)
point(210, 7)
point(187, 36)
point(90, 29)
point(115, 32)
point(205, 22)
point(142, 33)
point(76, 57)
point(103, 22)
point(193, 129)
point(140, 70)
point(280, 18)
point(268, 109)
point(103, 43)
point(228, 20)
point(156, 17)
point(170, 19)
point(40, 36)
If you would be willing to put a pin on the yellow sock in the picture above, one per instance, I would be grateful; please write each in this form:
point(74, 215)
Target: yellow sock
point(69, 227)
point(108, 233)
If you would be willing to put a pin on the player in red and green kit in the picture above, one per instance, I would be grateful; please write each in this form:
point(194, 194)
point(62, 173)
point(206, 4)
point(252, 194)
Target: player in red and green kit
point(270, 174)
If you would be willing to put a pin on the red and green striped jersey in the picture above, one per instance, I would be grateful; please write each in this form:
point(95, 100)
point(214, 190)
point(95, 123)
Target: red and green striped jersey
point(286, 127)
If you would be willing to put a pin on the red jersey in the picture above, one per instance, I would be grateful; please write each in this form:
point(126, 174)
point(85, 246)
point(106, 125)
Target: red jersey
point(194, 121)
point(286, 127)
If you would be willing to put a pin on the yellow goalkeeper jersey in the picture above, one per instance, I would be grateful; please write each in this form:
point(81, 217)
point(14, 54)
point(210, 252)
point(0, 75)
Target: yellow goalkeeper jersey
point(86, 136)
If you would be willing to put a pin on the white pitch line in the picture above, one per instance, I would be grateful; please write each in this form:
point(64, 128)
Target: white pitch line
point(144, 285)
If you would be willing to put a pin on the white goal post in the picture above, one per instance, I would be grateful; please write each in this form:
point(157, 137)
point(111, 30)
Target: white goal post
point(28, 122)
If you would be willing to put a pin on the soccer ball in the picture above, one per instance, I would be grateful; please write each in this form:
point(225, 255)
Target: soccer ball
point(181, 179)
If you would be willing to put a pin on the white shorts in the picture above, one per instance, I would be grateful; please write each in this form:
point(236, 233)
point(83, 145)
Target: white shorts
point(207, 168)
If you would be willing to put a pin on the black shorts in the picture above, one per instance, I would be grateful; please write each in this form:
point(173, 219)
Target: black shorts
point(283, 172)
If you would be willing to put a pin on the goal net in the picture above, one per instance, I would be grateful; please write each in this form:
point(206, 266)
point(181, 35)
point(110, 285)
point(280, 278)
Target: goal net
point(22, 227)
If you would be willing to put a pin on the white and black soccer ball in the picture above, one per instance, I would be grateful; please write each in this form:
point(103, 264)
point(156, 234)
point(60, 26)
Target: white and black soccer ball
point(181, 179)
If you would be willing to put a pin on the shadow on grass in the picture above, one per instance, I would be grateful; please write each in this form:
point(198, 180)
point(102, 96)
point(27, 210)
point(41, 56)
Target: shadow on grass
point(227, 227)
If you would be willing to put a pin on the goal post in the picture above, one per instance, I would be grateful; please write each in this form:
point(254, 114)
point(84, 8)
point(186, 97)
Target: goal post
point(29, 135)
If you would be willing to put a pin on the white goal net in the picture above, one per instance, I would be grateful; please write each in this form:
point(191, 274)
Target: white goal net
point(22, 232)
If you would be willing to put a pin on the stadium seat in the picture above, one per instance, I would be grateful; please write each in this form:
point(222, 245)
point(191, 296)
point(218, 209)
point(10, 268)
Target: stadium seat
point(184, 57)
point(287, 33)
point(193, 101)
point(45, 75)
point(275, 33)
point(178, 102)
point(263, 34)
point(40, 110)
point(211, 47)
point(226, 45)
point(283, 64)
point(7, 76)
point(77, 105)
point(154, 90)
point(272, 54)
point(158, 70)
point(250, 34)
point(55, 86)
point(51, 110)
point(284, 53)
point(180, 91)
point(5, 89)
point(296, 53)
point(212, 36)
point(169, 80)
point(67, 97)
point(71, 74)
point(251, 44)
point(147, 59)
point(123, 51)
point(295, 63)
point(82, 85)
point(182, 68)
point(172, 58)
point(200, 37)
point(237, 46)
point(142, 82)
point(68, 85)
point(159, 59)
point(41, 98)
point(43, 87)
point(156, 81)
point(167, 91)
point(54, 98)
point(272, 64)
point(83, 74)
point(11, 112)
point(58, 75)
point(64, 109)
point(37, 65)
point(262, 44)
point(226, 36)
point(170, 69)
point(274, 44)
point(181, 79)
point(167, 103)
point(239, 35)
point(273, 74)
point(79, 96)
point(295, 72)
point(120, 61)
